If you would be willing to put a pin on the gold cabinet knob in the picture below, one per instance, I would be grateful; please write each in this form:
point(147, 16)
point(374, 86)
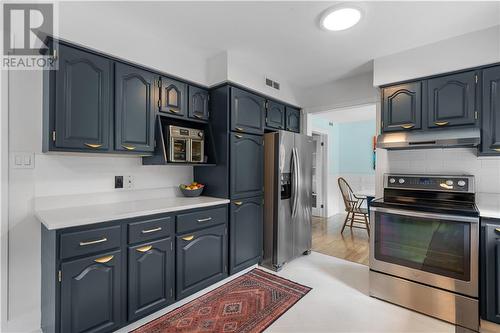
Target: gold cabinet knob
point(407, 126)
point(103, 260)
point(93, 145)
point(144, 248)
point(129, 147)
point(441, 123)
point(188, 238)
point(238, 203)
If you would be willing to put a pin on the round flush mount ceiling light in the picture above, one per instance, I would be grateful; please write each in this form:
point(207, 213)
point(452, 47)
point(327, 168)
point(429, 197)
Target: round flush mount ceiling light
point(340, 18)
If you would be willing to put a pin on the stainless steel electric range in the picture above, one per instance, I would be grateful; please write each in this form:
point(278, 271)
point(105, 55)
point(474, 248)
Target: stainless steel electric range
point(424, 246)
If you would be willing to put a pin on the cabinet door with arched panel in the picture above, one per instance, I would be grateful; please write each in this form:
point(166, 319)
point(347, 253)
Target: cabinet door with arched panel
point(451, 100)
point(91, 294)
point(173, 97)
point(150, 277)
point(402, 107)
point(292, 119)
point(198, 103)
point(490, 138)
point(275, 115)
point(83, 101)
point(135, 99)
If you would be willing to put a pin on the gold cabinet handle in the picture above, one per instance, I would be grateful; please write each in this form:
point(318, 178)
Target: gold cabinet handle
point(174, 111)
point(497, 229)
point(205, 220)
point(188, 238)
point(238, 136)
point(239, 129)
point(105, 259)
point(496, 149)
point(441, 123)
point(238, 203)
point(129, 147)
point(407, 126)
point(144, 248)
point(151, 230)
point(97, 241)
point(93, 145)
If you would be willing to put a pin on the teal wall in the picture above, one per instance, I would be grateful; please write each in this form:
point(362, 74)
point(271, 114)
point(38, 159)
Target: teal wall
point(349, 145)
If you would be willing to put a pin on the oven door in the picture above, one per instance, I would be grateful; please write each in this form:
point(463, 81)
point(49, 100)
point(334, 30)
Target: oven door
point(179, 149)
point(434, 249)
point(197, 151)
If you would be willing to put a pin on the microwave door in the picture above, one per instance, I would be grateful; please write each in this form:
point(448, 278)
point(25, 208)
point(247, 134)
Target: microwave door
point(179, 150)
point(197, 152)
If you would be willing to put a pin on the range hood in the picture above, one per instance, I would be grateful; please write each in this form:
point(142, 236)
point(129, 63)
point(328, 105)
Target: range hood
point(449, 138)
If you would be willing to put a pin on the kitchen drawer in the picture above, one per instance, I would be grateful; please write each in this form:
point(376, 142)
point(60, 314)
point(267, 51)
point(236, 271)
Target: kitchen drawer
point(200, 219)
point(150, 229)
point(78, 243)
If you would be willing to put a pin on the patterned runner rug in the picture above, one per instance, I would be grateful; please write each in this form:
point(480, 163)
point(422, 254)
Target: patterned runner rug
point(249, 303)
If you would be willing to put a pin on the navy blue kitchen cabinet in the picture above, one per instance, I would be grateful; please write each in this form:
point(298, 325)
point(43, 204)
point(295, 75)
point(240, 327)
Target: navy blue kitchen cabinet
point(201, 259)
point(451, 100)
point(135, 103)
point(150, 277)
point(490, 138)
point(247, 112)
point(91, 293)
point(173, 97)
point(83, 104)
point(245, 233)
point(101, 277)
point(490, 270)
point(275, 115)
point(247, 165)
point(402, 107)
point(198, 105)
point(292, 119)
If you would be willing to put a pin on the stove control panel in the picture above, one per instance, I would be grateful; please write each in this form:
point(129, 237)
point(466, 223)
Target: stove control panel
point(430, 182)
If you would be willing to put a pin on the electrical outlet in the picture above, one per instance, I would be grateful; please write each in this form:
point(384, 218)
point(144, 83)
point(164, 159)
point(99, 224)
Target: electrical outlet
point(118, 181)
point(128, 182)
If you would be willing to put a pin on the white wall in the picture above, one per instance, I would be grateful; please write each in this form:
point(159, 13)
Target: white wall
point(352, 91)
point(469, 50)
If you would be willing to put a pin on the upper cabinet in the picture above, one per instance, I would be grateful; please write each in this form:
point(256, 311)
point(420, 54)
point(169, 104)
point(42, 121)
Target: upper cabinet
point(402, 107)
point(247, 112)
point(198, 105)
point(135, 100)
point(292, 119)
point(83, 87)
point(490, 141)
point(275, 115)
point(173, 97)
point(451, 100)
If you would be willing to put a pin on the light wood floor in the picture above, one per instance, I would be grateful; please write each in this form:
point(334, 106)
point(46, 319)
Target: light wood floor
point(352, 245)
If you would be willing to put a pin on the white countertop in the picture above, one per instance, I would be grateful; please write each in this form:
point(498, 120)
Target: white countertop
point(488, 204)
point(82, 215)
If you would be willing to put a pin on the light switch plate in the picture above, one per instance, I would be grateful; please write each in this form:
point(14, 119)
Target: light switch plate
point(22, 160)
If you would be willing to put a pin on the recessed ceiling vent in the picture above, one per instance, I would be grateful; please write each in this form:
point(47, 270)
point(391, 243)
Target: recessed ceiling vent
point(273, 84)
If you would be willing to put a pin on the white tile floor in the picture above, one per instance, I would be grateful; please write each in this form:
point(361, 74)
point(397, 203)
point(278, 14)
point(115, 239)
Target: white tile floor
point(339, 302)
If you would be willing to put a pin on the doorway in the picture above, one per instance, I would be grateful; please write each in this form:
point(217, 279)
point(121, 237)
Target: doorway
point(319, 174)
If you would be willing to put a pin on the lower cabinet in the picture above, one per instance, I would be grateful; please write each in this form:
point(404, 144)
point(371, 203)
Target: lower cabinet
point(490, 270)
point(245, 228)
point(91, 293)
point(99, 278)
point(201, 259)
point(150, 277)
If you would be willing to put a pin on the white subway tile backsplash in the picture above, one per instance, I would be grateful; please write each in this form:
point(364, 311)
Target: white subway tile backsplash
point(448, 161)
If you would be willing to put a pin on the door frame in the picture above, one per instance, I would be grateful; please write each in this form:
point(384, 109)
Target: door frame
point(323, 191)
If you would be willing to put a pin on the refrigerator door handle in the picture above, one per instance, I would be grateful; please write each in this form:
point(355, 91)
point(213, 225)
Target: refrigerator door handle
point(295, 179)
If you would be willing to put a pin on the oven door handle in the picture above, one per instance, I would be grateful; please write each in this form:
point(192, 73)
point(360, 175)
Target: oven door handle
point(447, 217)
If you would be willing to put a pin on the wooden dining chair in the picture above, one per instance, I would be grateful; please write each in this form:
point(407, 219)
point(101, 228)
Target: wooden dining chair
point(356, 215)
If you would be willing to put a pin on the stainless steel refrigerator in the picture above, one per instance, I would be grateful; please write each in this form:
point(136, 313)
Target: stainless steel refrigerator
point(287, 197)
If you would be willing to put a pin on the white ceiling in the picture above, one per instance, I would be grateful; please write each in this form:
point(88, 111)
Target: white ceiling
point(285, 35)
